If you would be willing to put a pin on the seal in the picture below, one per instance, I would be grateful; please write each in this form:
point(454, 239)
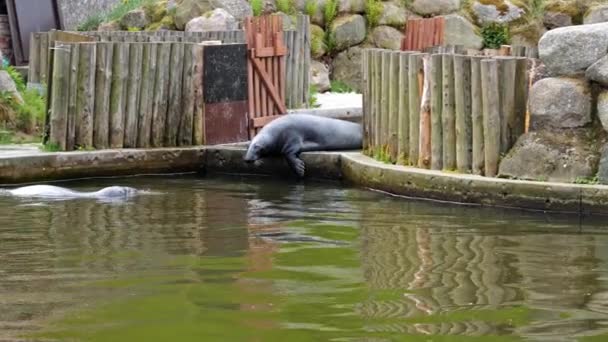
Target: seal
point(293, 134)
point(51, 191)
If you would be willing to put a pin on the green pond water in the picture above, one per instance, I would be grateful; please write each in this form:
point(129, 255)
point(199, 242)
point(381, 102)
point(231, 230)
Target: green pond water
point(261, 259)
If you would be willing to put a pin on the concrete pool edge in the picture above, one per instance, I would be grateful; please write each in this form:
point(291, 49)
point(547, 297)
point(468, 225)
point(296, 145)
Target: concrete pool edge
point(352, 167)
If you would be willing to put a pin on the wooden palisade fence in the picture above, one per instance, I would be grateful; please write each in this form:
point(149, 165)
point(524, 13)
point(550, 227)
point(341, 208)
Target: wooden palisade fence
point(443, 111)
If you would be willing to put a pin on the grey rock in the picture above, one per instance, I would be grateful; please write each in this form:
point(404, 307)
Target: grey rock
point(434, 7)
point(491, 14)
point(8, 85)
point(216, 20)
point(394, 14)
point(598, 14)
point(568, 51)
point(318, 47)
point(560, 103)
point(111, 26)
point(319, 76)
point(134, 19)
point(351, 6)
point(602, 108)
point(386, 37)
point(348, 30)
point(556, 19)
point(556, 156)
point(346, 67)
point(459, 31)
point(598, 71)
point(318, 17)
point(190, 9)
point(602, 172)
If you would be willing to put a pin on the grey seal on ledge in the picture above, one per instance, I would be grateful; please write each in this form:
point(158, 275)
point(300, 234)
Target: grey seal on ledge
point(293, 134)
point(51, 191)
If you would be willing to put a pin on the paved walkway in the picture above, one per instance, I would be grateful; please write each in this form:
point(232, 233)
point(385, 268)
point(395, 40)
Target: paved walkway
point(12, 151)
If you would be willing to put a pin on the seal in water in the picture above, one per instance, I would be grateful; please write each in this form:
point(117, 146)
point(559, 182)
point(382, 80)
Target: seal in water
point(51, 191)
point(292, 134)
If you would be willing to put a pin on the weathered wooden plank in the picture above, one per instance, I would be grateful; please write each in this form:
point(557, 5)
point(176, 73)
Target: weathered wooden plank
point(118, 97)
point(185, 133)
point(393, 106)
point(378, 100)
point(517, 122)
point(447, 114)
point(103, 86)
point(491, 115)
point(85, 103)
point(175, 94)
point(507, 74)
point(72, 98)
point(134, 87)
point(384, 120)
point(478, 155)
point(44, 58)
point(60, 94)
point(34, 60)
point(161, 94)
point(414, 69)
point(199, 118)
point(462, 92)
point(146, 99)
point(404, 110)
point(424, 158)
point(436, 108)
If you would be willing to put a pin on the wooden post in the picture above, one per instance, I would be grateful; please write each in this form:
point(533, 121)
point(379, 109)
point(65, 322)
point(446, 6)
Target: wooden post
point(424, 160)
point(134, 85)
point(447, 114)
point(386, 82)
point(60, 93)
point(34, 63)
point(506, 81)
point(462, 92)
point(175, 94)
point(393, 106)
point(146, 99)
point(404, 109)
point(185, 133)
point(44, 58)
point(414, 67)
point(85, 103)
point(366, 94)
point(161, 93)
point(491, 115)
point(103, 86)
point(517, 123)
point(378, 100)
point(478, 156)
point(118, 97)
point(436, 108)
point(199, 118)
point(72, 97)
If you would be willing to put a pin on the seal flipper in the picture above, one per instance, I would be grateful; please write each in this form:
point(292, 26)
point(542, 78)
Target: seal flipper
point(296, 164)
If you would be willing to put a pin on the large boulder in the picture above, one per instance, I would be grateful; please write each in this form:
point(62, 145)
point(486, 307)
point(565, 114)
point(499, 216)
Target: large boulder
point(319, 76)
point(568, 51)
point(553, 20)
point(216, 20)
point(190, 9)
point(318, 48)
point(598, 14)
point(386, 37)
point(602, 172)
point(602, 109)
point(110, 26)
point(560, 103)
point(351, 6)
point(318, 16)
point(8, 85)
point(346, 67)
point(598, 71)
point(505, 12)
point(434, 7)
point(394, 14)
point(557, 156)
point(134, 19)
point(460, 31)
point(347, 31)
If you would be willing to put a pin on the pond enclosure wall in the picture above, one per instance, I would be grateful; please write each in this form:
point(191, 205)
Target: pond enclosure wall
point(168, 88)
point(443, 111)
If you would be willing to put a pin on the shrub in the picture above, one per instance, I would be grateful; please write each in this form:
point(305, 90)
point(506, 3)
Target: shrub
point(286, 6)
point(340, 87)
point(317, 42)
point(494, 35)
point(257, 6)
point(310, 7)
point(373, 11)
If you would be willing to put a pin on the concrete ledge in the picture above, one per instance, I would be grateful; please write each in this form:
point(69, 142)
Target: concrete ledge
point(66, 165)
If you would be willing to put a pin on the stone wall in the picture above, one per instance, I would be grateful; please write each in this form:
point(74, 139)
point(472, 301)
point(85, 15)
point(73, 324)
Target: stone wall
point(75, 12)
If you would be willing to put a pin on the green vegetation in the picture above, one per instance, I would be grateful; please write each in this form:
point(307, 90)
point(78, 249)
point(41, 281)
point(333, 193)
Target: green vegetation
point(330, 12)
point(494, 35)
point(310, 7)
point(330, 41)
point(116, 13)
point(373, 11)
point(317, 41)
point(312, 97)
point(257, 6)
point(340, 87)
point(286, 6)
point(586, 180)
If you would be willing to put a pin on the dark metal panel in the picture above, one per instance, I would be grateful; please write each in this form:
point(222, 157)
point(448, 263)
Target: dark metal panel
point(27, 16)
point(225, 73)
point(226, 122)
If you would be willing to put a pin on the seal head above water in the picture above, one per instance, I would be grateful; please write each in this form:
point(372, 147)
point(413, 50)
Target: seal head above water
point(293, 134)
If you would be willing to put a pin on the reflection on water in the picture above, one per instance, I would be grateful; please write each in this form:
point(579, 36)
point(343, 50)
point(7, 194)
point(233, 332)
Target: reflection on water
point(258, 259)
